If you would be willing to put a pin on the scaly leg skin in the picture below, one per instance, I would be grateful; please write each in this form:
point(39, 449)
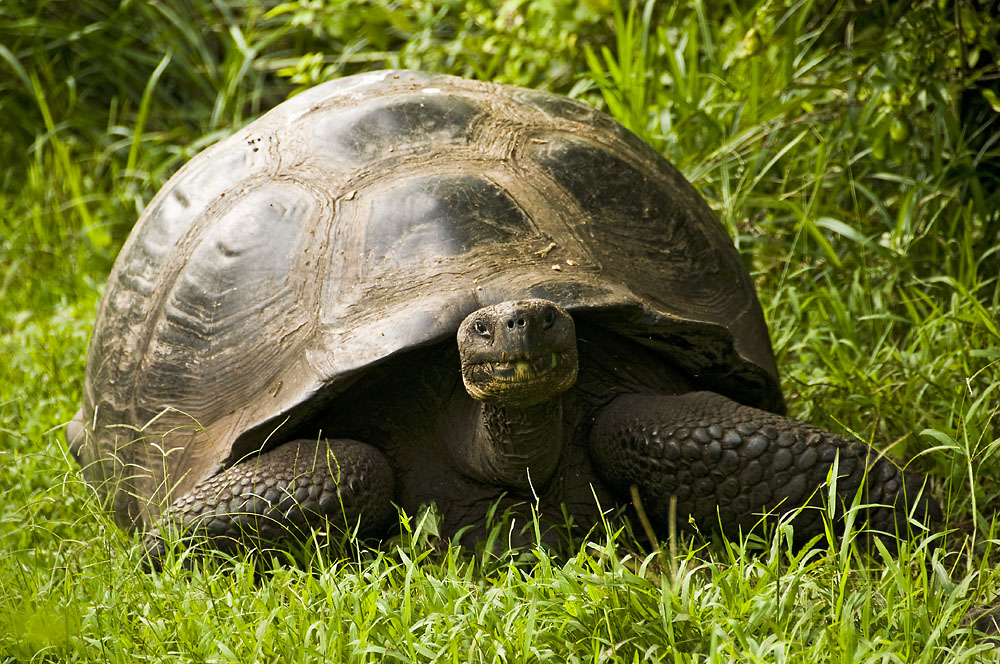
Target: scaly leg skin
point(283, 495)
point(727, 464)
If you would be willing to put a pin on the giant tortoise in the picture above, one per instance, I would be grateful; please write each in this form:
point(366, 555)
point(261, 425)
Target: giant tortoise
point(398, 288)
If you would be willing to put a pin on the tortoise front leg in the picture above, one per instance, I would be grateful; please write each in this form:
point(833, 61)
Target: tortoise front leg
point(727, 464)
point(283, 495)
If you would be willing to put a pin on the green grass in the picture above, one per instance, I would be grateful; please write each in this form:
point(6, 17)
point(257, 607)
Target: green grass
point(876, 255)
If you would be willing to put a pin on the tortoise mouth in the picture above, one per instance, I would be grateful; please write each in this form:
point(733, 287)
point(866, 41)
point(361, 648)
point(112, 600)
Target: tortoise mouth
point(520, 370)
point(521, 382)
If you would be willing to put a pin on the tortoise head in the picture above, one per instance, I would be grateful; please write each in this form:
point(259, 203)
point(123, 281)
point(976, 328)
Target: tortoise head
point(518, 354)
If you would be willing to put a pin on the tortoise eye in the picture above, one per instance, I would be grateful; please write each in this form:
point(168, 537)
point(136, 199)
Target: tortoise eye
point(481, 329)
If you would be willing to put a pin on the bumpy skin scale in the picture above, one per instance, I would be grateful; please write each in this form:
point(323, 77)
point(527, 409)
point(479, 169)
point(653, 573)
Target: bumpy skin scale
point(285, 494)
point(728, 464)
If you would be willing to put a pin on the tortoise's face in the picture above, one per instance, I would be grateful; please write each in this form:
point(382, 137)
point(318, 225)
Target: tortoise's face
point(518, 354)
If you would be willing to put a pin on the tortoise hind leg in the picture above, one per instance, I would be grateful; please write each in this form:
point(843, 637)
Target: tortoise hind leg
point(728, 464)
point(283, 495)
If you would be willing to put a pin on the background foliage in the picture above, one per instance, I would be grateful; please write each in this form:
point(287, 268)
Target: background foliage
point(851, 147)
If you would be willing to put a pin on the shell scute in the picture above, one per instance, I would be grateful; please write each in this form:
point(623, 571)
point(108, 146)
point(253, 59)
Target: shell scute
point(385, 127)
point(644, 214)
point(438, 216)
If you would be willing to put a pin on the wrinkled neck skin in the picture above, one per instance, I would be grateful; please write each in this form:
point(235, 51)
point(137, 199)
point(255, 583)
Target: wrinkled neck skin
point(516, 448)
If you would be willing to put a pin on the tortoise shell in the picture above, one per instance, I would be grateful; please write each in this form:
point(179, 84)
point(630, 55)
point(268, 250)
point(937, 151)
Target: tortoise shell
point(367, 217)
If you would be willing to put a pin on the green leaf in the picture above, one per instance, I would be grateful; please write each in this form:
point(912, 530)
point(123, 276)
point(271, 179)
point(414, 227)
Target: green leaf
point(992, 98)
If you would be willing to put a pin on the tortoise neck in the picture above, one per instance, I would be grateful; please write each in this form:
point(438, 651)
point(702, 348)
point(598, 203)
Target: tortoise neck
point(516, 448)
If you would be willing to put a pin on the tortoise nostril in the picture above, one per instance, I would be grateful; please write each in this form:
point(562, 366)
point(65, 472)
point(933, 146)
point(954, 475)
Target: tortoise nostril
point(522, 320)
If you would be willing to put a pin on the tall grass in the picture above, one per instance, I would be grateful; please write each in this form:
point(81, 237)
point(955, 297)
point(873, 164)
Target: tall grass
point(850, 148)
